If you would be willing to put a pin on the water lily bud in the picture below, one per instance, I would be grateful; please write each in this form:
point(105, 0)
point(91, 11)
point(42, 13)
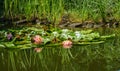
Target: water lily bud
point(55, 34)
point(18, 37)
point(65, 30)
point(9, 36)
point(38, 49)
point(37, 39)
point(67, 44)
point(77, 34)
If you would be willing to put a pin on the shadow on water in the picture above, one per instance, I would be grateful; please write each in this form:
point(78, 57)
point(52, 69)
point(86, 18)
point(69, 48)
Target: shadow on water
point(99, 57)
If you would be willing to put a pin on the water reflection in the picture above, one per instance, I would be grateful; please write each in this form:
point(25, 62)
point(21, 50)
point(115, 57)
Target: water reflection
point(99, 57)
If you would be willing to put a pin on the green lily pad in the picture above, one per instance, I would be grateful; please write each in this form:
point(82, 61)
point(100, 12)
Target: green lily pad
point(25, 46)
point(9, 45)
point(109, 36)
point(2, 46)
point(22, 42)
point(88, 43)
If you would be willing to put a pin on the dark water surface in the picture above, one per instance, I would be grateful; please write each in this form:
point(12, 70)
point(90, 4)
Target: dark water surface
point(99, 57)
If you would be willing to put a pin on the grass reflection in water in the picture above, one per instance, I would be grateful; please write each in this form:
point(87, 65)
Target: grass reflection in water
point(95, 57)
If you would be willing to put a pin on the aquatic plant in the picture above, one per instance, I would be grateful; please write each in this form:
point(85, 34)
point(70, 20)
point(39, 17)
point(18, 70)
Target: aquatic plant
point(38, 49)
point(77, 36)
point(105, 56)
point(52, 38)
point(67, 44)
point(37, 39)
point(55, 34)
point(9, 36)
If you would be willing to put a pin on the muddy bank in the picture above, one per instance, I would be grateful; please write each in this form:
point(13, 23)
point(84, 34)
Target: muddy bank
point(65, 22)
point(17, 21)
point(88, 24)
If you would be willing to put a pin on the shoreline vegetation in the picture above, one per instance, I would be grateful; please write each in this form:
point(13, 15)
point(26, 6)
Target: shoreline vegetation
point(62, 13)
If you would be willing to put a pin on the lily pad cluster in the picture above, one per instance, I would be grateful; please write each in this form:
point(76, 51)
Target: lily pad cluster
point(21, 38)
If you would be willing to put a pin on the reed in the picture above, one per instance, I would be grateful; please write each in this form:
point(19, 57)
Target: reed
point(53, 9)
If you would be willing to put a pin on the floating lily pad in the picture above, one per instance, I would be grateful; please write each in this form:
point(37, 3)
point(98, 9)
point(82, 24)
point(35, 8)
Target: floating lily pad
point(83, 37)
point(109, 36)
point(88, 43)
point(2, 46)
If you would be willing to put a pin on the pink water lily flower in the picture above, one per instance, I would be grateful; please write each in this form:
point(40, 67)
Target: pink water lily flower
point(37, 39)
point(67, 44)
point(38, 49)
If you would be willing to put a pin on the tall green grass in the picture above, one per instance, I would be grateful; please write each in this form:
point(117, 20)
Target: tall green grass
point(53, 9)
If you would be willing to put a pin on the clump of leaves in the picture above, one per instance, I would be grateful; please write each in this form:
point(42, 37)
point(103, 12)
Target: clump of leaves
point(23, 36)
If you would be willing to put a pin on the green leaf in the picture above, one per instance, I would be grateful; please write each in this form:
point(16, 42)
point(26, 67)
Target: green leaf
point(2, 46)
point(9, 45)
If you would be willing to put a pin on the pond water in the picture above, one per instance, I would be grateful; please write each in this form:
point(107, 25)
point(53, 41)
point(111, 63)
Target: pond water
point(99, 57)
